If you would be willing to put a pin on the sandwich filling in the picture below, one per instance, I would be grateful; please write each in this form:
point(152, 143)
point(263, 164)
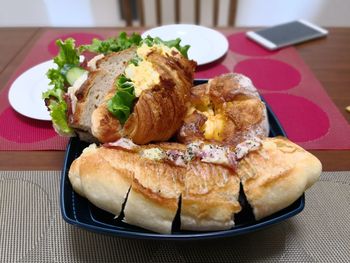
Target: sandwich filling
point(208, 153)
point(141, 72)
point(140, 75)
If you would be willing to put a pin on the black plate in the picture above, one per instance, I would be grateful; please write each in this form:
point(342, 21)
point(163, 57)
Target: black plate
point(80, 212)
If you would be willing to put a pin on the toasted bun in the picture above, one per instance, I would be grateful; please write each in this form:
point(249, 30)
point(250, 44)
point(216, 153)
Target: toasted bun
point(276, 175)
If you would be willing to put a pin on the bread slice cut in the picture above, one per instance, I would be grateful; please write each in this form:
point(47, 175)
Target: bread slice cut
point(276, 175)
point(102, 184)
point(154, 196)
point(94, 90)
point(150, 210)
point(209, 198)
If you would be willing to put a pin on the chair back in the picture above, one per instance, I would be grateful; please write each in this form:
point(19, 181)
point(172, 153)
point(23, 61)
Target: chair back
point(127, 8)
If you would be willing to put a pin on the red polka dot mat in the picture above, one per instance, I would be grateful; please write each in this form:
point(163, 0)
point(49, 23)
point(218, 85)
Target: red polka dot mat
point(304, 109)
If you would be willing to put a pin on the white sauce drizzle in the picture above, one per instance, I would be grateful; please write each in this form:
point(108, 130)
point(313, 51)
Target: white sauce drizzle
point(71, 90)
point(92, 63)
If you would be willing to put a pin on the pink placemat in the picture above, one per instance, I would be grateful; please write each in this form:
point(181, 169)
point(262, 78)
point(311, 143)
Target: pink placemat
point(304, 109)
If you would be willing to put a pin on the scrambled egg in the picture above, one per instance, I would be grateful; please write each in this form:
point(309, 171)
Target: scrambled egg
point(144, 76)
point(214, 125)
point(144, 50)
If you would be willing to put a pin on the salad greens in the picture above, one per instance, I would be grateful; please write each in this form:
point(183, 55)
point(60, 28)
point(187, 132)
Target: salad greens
point(121, 103)
point(58, 108)
point(67, 55)
point(112, 44)
point(150, 41)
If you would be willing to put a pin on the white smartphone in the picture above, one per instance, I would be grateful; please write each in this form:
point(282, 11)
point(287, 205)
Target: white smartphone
point(287, 34)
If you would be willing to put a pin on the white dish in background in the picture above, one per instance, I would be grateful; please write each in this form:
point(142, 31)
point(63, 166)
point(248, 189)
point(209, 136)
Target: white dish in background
point(207, 45)
point(25, 95)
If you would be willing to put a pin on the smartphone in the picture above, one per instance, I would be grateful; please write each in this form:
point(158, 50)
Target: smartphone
point(287, 34)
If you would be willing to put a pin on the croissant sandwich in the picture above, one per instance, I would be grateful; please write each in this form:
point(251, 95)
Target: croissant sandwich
point(200, 180)
point(225, 110)
point(132, 87)
point(161, 79)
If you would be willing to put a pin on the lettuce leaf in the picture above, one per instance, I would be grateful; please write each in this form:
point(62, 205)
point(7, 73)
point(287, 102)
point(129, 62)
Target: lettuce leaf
point(56, 79)
point(67, 55)
point(120, 105)
point(150, 41)
point(122, 42)
point(58, 109)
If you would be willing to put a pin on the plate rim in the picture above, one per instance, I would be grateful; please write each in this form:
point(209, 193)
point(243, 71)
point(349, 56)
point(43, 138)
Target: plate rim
point(13, 87)
point(213, 31)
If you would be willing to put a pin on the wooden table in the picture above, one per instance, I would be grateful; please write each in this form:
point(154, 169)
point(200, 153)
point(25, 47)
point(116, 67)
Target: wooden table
point(329, 59)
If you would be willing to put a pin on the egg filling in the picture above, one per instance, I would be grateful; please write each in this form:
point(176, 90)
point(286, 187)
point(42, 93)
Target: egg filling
point(214, 125)
point(142, 73)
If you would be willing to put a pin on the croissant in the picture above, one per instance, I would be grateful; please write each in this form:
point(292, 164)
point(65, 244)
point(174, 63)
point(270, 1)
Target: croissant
point(162, 83)
point(226, 110)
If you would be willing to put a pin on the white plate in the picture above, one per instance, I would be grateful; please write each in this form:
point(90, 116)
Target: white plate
point(207, 45)
point(26, 91)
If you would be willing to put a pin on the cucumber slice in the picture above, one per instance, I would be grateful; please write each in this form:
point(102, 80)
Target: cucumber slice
point(73, 74)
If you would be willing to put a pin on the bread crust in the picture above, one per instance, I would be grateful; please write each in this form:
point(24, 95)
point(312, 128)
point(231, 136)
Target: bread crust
point(103, 185)
point(209, 198)
point(276, 175)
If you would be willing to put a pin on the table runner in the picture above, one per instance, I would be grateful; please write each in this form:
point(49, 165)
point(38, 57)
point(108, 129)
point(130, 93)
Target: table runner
point(306, 112)
point(32, 230)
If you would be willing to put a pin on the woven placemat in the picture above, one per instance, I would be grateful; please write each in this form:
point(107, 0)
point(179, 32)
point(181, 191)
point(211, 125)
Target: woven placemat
point(32, 230)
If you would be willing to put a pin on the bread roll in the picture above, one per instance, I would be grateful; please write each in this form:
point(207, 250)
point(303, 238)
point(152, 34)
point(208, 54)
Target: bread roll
point(226, 110)
point(209, 192)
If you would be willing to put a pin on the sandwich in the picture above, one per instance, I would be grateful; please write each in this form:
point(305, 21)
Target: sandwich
point(150, 180)
point(156, 86)
point(226, 110)
point(201, 181)
point(129, 82)
point(71, 72)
